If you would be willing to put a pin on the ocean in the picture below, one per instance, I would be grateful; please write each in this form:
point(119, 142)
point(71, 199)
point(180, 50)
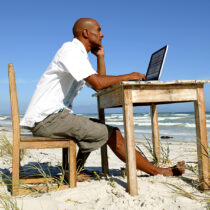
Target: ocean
point(177, 126)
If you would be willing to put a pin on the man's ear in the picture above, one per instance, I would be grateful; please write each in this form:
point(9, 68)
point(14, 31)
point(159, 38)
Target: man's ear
point(85, 33)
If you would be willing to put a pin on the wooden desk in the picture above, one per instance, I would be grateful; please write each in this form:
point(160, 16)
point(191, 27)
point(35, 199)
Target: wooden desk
point(139, 93)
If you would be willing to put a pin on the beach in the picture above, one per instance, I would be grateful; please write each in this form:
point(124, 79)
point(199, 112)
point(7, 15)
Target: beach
point(101, 192)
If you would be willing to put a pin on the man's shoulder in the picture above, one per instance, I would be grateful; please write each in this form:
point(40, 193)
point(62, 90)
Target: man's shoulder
point(67, 45)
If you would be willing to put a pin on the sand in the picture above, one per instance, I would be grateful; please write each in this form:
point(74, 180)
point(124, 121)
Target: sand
point(155, 192)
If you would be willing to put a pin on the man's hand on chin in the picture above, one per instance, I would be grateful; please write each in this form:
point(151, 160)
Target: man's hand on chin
point(98, 51)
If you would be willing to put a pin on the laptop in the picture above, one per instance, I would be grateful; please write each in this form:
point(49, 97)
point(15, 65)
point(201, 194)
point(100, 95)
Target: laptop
point(156, 63)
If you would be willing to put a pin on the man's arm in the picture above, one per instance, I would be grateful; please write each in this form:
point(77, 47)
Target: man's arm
point(101, 81)
point(101, 67)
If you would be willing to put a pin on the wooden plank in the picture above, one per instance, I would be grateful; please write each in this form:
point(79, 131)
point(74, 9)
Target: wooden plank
point(104, 159)
point(104, 156)
point(107, 90)
point(16, 131)
point(111, 99)
point(157, 82)
point(40, 189)
point(202, 143)
point(155, 130)
point(44, 145)
point(72, 164)
point(166, 94)
point(149, 83)
point(39, 138)
point(130, 142)
point(35, 180)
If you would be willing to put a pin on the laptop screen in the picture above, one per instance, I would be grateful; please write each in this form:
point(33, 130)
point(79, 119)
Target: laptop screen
point(156, 63)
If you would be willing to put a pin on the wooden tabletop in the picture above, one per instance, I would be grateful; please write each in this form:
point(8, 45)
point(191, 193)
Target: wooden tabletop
point(154, 83)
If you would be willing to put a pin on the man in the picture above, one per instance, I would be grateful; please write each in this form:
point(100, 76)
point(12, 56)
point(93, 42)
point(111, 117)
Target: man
point(49, 113)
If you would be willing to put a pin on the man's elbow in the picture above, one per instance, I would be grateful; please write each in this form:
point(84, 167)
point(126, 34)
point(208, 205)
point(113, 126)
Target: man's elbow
point(97, 88)
point(94, 82)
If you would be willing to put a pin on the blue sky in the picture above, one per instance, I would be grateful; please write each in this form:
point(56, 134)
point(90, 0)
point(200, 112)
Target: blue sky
point(32, 32)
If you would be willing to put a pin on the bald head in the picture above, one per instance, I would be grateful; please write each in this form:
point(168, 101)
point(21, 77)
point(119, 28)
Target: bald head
point(88, 31)
point(81, 24)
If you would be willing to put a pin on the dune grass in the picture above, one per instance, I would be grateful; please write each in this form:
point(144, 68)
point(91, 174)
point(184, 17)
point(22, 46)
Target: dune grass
point(7, 202)
point(6, 148)
point(164, 156)
point(201, 198)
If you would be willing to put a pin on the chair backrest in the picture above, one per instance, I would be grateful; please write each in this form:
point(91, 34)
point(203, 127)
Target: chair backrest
point(14, 105)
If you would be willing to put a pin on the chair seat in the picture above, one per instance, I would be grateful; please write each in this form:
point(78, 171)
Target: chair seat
point(37, 142)
point(30, 137)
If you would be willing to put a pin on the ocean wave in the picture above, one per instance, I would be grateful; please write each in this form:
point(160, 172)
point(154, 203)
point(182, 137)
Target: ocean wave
point(142, 120)
point(181, 114)
point(169, 124)
point(113, 120)
point(4, 117)
point(190, 125)
point(5, 123)
point(114, 116)
point(170, 118)
point(141, 117)
point(115, 123)
point(142, 124)
point(160, 124)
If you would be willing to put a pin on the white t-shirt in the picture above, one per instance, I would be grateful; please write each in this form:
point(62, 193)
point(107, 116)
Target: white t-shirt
point(60, 83)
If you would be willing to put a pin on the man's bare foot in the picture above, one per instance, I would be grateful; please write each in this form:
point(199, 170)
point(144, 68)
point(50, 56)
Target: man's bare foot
point(176, 170)
point(82, 177)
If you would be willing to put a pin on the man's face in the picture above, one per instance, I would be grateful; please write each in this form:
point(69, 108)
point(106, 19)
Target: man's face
point(95, 35)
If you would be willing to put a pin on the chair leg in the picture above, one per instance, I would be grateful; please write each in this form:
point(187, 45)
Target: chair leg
point(72, 164)
point(15, 172)
point(65, 159)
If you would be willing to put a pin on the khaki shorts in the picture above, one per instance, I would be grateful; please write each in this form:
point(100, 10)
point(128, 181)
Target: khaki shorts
point(89, 134)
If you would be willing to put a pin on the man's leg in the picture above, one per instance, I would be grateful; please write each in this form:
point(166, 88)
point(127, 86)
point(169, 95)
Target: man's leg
point(81, 159)
point(117, 143)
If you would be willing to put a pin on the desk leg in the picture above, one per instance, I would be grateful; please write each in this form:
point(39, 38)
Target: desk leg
point(155, 131)
point(130, 143)
point(104, 157)
point(202, 143)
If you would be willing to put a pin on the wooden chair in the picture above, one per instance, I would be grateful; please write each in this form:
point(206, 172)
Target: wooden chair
point(32, 142)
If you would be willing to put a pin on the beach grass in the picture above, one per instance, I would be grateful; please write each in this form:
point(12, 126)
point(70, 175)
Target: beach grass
point(204, 198)
point(6, 148)
point(7, 202)
point(45, 172)
point(165, 152)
